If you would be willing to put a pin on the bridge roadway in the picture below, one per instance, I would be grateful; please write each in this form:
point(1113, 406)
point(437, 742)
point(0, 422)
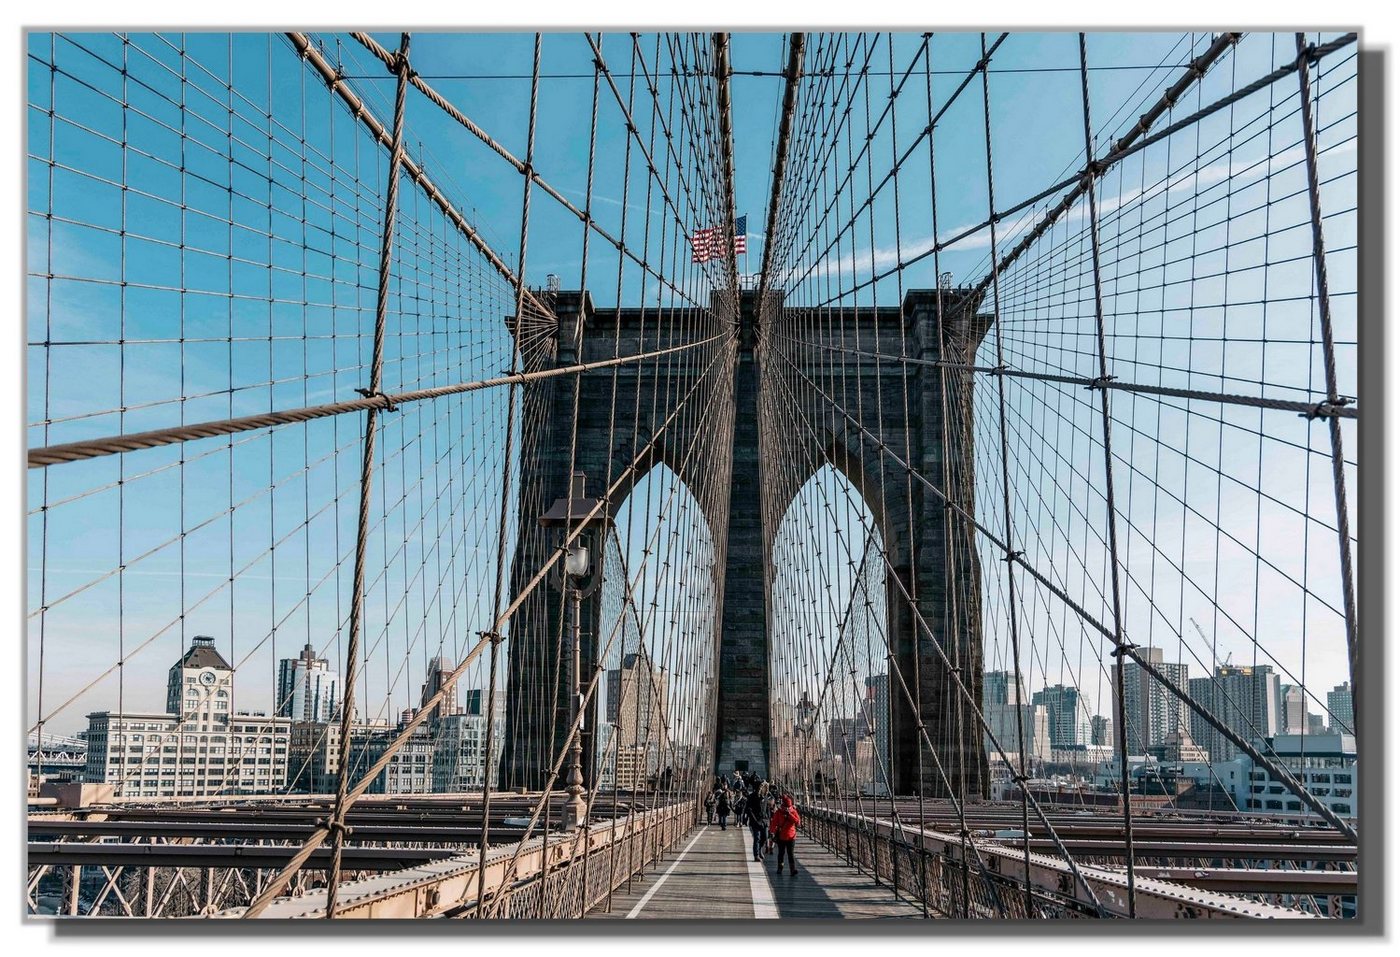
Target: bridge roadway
point(710, 875)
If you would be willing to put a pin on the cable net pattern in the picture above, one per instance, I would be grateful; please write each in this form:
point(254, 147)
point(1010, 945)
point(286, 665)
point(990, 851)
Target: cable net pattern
point(1100, 436)
point(394, 408)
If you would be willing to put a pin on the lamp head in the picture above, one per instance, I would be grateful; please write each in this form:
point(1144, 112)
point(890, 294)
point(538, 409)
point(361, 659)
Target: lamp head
point(577, 561)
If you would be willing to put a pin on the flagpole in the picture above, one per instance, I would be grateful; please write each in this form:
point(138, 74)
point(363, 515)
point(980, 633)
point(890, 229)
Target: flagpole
point(745, 218)
point(746, 248)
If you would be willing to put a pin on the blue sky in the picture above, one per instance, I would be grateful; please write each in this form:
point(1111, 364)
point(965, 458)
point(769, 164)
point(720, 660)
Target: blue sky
point(1208, 285)
point(299, 304)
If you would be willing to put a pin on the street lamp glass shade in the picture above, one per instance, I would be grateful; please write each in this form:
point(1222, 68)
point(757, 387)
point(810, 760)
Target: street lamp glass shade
point(576, 561)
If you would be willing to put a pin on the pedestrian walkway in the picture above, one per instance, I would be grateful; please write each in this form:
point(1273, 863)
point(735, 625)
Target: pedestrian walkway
point(710, 875)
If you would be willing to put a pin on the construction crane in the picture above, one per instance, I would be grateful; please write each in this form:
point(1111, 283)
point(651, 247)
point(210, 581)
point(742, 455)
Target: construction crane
point(1195, 624)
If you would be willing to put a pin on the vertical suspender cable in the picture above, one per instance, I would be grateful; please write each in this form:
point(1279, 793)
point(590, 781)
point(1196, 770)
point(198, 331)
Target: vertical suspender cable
point(1329, 356)
point(1109, 504)
point(1007, 529)
point(502, 536)
point(357, 597)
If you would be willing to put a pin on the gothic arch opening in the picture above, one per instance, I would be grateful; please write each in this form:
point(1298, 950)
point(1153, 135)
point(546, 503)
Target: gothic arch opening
point(658, 629)
point(829, 682)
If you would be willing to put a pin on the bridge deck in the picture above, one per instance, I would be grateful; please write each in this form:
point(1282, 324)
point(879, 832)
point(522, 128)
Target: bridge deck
point(710, 875)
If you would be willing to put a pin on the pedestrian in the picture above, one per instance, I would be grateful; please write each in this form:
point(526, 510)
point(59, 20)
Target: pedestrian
point(753, 812)
point(722, 805)
point(783, 828)
point(710, 808)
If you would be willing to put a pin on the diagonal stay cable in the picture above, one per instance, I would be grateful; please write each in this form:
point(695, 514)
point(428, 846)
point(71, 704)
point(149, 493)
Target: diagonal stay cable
point(112, 445)
point(1125, 647)
point(1096, 168)
point(525, 169)
point(308, 52)
point(1312, 410)
point(318, 837)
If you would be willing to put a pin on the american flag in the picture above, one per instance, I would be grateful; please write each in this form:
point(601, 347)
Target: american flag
point(704, 245)
point(708, 243)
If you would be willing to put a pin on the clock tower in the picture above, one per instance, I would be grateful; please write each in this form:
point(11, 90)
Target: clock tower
point(200, 686)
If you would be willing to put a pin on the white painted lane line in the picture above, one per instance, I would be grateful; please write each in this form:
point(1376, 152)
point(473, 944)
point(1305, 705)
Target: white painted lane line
point(764, 907)
point(637, 908)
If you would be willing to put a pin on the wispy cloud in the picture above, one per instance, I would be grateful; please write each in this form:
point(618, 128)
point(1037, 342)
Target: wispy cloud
point(863, 263)
point(611, 201)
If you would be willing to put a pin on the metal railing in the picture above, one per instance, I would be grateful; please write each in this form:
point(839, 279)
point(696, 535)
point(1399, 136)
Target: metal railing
point(969, 877)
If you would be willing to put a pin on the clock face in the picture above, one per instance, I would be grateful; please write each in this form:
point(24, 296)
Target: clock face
point(207, 678)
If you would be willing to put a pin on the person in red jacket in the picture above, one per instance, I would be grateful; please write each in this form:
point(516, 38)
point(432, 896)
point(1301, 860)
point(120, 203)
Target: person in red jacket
point(783, 829)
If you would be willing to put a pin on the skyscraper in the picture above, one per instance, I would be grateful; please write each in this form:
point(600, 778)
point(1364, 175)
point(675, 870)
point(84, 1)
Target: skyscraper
point(636, 709)
point(1341, 718)
point(1002, 699)
point(1293, 710)
point(998, 687)
point(459, 753)
point(1098, 730)
point(1066, 714)
point(1150, 711)
point(877, 710)
point(1245, 698)
point(438, 670)
point(307, 688)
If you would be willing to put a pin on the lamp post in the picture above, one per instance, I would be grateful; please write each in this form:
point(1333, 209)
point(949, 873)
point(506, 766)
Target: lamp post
point(579, 579)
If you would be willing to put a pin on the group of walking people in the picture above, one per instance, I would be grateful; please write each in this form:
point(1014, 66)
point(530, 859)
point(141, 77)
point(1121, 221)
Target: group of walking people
point(770, 815)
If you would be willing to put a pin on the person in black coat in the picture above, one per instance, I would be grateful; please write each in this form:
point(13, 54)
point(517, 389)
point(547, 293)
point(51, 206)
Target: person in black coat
point(758, 821)
point(722, 806)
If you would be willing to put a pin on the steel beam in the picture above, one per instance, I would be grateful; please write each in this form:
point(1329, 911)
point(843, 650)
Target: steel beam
point(444, 887)
point(258, 856)
point(259, 832)
point(1256, 880)
point(1052, 876)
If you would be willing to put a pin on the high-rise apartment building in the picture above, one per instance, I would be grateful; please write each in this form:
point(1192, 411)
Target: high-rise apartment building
point(1066, 713)
point(1151, 713)
point(307, 688)
point(1245, 698)
point(1341, 717)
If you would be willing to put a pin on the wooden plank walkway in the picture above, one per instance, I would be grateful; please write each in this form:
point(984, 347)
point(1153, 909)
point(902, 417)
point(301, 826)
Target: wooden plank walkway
point(710, 875)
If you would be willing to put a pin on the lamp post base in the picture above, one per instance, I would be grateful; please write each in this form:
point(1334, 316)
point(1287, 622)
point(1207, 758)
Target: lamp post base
point(574, 813)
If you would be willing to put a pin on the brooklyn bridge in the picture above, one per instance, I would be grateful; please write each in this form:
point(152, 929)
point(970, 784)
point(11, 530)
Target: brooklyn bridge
point(438, 483)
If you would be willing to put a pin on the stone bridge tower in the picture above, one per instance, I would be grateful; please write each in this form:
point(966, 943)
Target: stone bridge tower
point(931, 548)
